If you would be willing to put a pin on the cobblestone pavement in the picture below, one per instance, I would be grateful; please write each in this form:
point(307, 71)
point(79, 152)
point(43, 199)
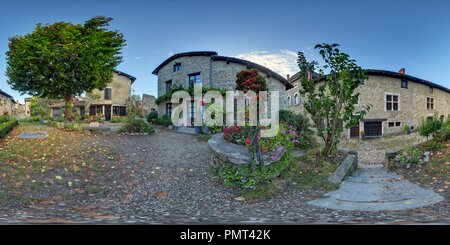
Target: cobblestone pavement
point(164, 178)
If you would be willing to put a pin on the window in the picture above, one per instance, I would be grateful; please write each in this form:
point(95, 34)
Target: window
point(394, 124)
point(404, 84)
point(177, 67)
point(194, 78)
point(119, 110)
point(168, 86)
point(296, 99)
point(108, 93)
point(441, 118)
point(430, 103)
point(392, 102)
point(430, 90)
point(193, 111)
point(289, 101)
point(295, 85)
point(397, 124)
point(99, 110)
point(169, 109)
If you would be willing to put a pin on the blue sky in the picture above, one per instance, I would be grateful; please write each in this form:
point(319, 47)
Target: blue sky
point(378, 34)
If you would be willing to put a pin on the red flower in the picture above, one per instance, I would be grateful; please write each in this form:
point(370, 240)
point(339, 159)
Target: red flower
point(247, 142)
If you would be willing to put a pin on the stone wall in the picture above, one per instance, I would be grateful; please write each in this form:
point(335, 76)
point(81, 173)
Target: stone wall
point(148, 104)
point(6, 106)
point(121, 91)
point(217, 74)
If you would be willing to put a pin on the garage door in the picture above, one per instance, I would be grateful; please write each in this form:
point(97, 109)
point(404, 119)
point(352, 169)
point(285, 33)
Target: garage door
point(372, 129)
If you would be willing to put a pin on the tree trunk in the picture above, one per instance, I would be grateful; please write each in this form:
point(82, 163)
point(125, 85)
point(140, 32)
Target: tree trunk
point(68, 109)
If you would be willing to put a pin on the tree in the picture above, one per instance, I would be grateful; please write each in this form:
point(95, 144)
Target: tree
point(330, 99)
point(430, 127)
point(134, 105)
point(63, 60)
point(39, 107)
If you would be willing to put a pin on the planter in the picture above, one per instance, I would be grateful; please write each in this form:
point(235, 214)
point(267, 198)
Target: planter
point(224, 151)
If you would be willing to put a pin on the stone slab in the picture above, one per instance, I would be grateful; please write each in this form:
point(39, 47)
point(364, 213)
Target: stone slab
point(33, 135)
point(343, 170)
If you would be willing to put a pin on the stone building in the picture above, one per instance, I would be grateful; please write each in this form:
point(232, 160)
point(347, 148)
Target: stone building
point(397, 100)
point(7, 104)
point(111, 101)
point(148, 104)
point(212, 71)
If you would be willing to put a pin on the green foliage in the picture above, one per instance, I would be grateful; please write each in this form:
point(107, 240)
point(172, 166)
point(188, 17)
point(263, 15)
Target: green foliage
point(163, 120)
point(406, 129)
point(7, 127)
point(118, 119)
point(411, 154)
point(73, 126)
point(446, 124)
point(152, 116)
point(30, 119)
point(331, 103)
point(39, 107)
point(443, 134)
point(4, 119)
point(204, 137)
point(300, 124)
point(430, 127)
point(135, 124)
point(245, 178)
point(168, 96)
point(433, 145)
point(62, 60)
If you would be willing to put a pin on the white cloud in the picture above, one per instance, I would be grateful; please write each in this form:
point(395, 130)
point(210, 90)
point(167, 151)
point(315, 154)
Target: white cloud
point(283, 62)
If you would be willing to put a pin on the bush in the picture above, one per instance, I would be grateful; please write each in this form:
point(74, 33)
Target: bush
point(7, 127)
point(118, 120)
point(30, 119)
point(135, 124)
point(300, 124)
point(430, 127)
point(406, 129)
point(152, 116)
point(73, 126)
point(411, 155)
point(237, 134)
point(164, 120)
point(4, 119)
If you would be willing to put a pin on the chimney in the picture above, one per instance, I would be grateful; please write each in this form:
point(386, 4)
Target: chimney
point(288, 76)
point(402, 71)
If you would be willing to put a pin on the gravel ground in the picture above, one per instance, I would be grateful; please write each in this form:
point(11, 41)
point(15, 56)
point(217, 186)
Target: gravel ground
point(164, 178)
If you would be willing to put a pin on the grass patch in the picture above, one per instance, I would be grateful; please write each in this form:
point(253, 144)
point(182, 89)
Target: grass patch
point(204, 137)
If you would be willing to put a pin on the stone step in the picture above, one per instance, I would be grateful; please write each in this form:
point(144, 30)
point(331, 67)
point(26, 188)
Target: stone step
point(188, 130)
point(376, 190)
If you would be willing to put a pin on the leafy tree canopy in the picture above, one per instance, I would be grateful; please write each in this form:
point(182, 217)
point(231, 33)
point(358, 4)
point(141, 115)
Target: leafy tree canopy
point(62, 60)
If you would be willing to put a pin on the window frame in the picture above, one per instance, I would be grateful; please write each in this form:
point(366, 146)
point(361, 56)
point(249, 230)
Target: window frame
point(392, 102)
point(177, 67)
point(105, 93)
point(296, 99)
point(195, 74)
point(168, 85)
point(430, 103)
point(402, 82)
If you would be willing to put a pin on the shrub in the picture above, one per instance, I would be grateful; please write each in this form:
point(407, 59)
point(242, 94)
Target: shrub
point(406, 129)
point(135, 124)
point(73, 126)
point(152, 116)
point(164, 120)
point(4, 119)
point(411, 155)
point(430, 127)
point(118, 119)
point(7, 127)
point(30, 119)
point(237, 134)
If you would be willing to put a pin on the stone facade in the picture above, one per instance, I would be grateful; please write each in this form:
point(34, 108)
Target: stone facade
point(215, 72)
point(119, 92)
point(412, 95)
point(148, 104)
point(7, 104)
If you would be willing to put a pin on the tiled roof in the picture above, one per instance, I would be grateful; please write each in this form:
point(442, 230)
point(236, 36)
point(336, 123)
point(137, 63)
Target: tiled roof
point(7, 95)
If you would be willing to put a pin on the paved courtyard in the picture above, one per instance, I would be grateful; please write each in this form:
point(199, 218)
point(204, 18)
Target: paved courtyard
point(164, 178)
